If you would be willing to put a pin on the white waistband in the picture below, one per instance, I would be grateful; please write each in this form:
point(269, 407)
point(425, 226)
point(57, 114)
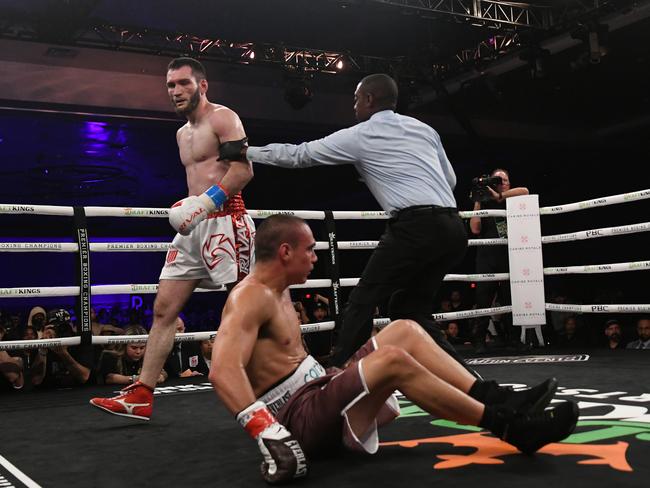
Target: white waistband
point(276, 398)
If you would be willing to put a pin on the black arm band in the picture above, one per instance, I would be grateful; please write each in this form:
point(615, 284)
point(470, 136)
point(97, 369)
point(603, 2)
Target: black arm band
point(233, 150)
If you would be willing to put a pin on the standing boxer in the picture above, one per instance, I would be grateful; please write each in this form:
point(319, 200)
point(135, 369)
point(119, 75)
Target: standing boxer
point(215, 234)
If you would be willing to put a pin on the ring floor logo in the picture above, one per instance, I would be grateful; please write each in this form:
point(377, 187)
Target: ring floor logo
point(610, 422)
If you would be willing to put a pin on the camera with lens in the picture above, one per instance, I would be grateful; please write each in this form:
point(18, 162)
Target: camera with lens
point(480, 184)
point(60, 321)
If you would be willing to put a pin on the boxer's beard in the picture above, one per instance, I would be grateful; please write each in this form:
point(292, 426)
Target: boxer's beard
point(615, 337)
point(192, 103)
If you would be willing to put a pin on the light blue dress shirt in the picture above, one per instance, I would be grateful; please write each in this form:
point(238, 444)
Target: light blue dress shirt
point(400, 159)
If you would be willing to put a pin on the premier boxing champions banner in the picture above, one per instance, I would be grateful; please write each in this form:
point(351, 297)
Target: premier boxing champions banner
point(526, 265)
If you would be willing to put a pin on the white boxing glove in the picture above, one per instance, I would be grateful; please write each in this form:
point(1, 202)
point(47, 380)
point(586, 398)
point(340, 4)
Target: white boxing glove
point(189, 212)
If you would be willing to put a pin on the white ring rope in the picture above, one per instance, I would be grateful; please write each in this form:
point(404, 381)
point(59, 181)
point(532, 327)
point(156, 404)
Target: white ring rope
point(317, 283)
point(309, 214)
point(565, 307)
point(133, 289)
point(129, 339)
point(324, 326)
point(320, 245)
point(164, 246)
point(597, 202)
point(596, 233)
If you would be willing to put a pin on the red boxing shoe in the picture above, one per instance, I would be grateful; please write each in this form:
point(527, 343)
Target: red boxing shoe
point(135, 401)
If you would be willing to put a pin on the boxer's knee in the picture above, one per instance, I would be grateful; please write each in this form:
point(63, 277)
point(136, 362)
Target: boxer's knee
point(164, 313)
point(394, 362)
point(405, 331)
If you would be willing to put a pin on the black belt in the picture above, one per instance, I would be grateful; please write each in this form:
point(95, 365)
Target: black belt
point(423, 210)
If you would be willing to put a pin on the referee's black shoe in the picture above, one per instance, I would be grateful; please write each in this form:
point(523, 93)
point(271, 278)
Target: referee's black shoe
point(533, 399)
point(531, 431)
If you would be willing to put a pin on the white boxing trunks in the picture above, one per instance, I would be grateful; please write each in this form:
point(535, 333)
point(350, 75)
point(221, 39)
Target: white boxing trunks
point(219, 251)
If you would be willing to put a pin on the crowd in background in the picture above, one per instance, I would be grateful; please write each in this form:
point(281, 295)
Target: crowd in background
point(120, 364)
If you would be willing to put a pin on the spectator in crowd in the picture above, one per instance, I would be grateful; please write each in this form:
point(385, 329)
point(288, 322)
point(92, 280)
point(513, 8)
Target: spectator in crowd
point(36, 319)
point(571, 336)
point(320, 312)
point(643, 331)
point(28, 356)
point(204, 361)
point(103, 329)
point(185, 357)
point(445, 305)
point(493, 259)
point(613, 335)
point(62, 366)
point(458, 303)
point(11, 368)
point(452, 331)
point(123, 366)
point(12, 327)
point(301, 312)
point(556, 318)
point(319, 343)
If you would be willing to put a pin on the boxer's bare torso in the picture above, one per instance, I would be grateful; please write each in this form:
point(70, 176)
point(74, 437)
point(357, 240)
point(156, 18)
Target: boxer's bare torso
point(198, 144)
point(278, 349)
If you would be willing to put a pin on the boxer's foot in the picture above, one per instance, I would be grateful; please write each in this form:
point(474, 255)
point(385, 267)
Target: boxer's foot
point(135, 401)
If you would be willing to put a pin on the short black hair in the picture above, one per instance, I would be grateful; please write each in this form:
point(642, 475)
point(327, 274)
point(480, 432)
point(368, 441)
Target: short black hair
point(198, 70)
point(274, 231)
point(383, 88)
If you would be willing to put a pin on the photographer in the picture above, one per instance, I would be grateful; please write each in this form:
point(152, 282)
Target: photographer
point(491, 193)
point(59, 367)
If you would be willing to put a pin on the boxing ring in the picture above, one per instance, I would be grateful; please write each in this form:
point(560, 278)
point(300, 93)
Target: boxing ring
point(55, 439)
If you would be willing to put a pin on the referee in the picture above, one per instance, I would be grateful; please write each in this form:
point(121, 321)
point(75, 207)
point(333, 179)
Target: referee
point(406, 169)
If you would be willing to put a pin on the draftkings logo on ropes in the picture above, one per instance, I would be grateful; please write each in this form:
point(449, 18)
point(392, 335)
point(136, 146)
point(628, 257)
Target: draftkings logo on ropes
point(610, 422)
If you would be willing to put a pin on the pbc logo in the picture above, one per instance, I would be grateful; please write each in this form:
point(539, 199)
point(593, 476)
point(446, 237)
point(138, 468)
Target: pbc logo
point(525, 271)
point(528, 305)
point(217, 248)
point(524, 239)
point(522, 206)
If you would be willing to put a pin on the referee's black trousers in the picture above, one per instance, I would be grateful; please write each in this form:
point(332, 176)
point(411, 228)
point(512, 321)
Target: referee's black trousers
point(418, 248)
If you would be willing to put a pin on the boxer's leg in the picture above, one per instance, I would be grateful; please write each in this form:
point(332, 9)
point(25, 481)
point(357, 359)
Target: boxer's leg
point(170, 300)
